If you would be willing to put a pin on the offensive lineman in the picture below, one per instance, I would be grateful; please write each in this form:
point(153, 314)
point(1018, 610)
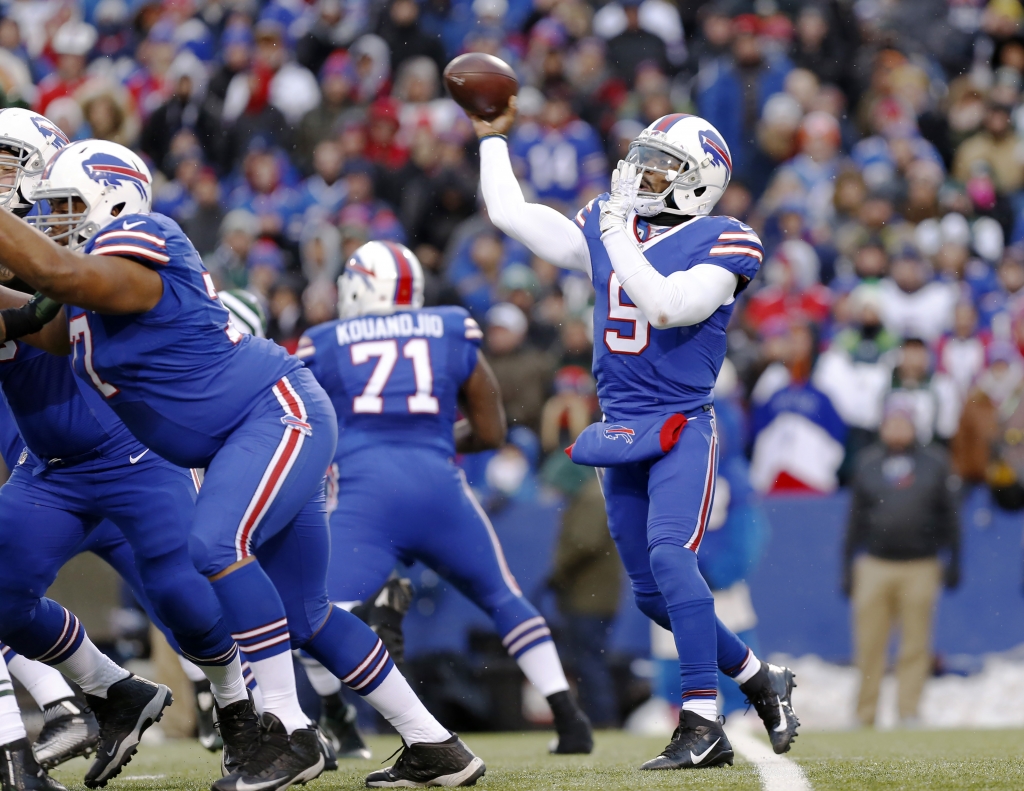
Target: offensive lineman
point(151, 336)
point(82, 465)
point(397, 373)
point(666, 276)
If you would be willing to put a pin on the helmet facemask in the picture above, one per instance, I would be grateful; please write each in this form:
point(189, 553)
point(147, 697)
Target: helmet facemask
point(64, 217)
point(18, 160)
point(661, 164)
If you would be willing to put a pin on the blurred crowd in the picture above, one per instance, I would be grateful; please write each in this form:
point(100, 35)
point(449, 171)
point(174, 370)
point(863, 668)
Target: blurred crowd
point(878, 150)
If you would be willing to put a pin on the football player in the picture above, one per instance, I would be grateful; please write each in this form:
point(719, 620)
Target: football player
point(666, 275)
point(153, 339)
point(81, 466)
point(397, 374)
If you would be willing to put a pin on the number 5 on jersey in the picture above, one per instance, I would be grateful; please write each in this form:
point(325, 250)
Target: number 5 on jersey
point(615, 340)
point(79, 326)
point(417, 350)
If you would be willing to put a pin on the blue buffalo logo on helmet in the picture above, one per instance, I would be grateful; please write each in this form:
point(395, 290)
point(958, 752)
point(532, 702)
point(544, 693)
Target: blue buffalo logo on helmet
point(614, 432)
point(715, 148)
point(110, 171)
point(51, 133)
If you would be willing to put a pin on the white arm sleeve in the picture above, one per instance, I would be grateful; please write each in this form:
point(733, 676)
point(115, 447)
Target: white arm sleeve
point(679, 300)
point(549, 235)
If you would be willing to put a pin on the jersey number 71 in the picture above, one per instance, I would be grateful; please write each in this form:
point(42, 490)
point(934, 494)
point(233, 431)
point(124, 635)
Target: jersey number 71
point(422, 402)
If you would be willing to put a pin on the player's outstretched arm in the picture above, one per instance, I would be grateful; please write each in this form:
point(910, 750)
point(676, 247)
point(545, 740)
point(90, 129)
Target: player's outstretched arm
point(106, 284)
point(543, 230)
point(480, 401)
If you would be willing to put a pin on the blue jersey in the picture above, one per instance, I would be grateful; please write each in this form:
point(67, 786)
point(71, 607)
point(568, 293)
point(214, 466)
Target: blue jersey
point(641, 370)
point(56, 414)
point(178, 375)
point(559, 163)
point(394, 378)
point(11, 443)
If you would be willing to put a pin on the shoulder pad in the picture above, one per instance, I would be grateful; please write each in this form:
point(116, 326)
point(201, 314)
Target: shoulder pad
point(584, 214)
point(132, 236)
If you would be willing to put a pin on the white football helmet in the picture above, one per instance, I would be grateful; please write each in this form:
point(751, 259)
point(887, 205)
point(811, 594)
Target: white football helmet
point(691, 155)
point(87, 185)
point(380, 278)
point(28, 141)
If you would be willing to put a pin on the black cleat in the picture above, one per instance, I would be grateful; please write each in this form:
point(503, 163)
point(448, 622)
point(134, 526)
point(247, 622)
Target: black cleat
point(69, 730)
point(449, 763)
point(281, 760)
point(131, 706)
point(20, 772)
point(696, 743)
point(770, 692)
point(209, 736)
point(240, 730)
point(383, 612)
point(572, 725)
point(338, 723)
point(327, 749)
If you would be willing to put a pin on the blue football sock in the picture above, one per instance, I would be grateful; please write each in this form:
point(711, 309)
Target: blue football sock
point(691, 611)
point(351, 651)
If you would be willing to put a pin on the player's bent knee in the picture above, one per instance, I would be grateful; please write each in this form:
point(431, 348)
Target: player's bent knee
point(209, 559)
point(15, 612)
point(306, 619)
point(675, 570)
point(654, 606)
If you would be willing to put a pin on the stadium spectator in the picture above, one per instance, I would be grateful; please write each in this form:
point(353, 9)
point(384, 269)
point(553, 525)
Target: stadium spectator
point(902, 518)
point(188, 107)
point(586, 571)
point(523, 373)
point(71, 44)
point(979, 428)
point(227, 263)
point(798, 437)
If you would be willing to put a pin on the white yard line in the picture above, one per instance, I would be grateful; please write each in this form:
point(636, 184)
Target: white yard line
point(777, 772)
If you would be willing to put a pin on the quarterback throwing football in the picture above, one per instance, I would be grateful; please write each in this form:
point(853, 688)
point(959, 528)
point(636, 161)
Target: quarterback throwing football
point(666, 276)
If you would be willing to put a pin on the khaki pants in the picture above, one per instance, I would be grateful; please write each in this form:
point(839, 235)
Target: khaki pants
point(887, 592)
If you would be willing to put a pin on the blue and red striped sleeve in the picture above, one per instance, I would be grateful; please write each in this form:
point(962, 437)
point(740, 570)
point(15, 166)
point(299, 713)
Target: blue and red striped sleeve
point(136, 237)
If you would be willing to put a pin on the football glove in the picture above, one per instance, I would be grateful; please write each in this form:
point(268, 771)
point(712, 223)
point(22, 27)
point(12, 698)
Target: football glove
point(625, 185)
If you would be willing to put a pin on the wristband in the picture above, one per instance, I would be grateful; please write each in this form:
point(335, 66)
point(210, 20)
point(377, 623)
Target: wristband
point(30, 317)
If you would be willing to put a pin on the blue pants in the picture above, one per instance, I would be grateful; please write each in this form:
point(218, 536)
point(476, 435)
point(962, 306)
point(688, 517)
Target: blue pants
point(657, 515)
point(45, 519)
point(412, 503)
point(263, 496)
point(106, 541)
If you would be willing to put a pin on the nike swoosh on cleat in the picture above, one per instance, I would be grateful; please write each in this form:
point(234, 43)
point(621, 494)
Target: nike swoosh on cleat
point(783, 722)
point(128, 226)
point(133, 459)
point(696, 759)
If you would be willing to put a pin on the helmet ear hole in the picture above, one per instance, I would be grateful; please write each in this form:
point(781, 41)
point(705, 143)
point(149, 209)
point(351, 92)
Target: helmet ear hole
point(116, 211)
point(700, 191)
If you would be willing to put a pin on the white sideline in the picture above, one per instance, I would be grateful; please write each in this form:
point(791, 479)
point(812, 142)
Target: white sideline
point(777, 772)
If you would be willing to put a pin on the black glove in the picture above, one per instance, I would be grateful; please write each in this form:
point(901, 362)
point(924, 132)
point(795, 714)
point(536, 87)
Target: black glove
point(951, 576)
point(30, 317)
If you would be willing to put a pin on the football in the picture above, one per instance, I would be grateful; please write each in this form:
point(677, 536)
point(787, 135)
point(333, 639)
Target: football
point(481, 84)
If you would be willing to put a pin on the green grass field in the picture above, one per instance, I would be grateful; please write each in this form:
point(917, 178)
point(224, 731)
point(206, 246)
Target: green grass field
point(857, 761)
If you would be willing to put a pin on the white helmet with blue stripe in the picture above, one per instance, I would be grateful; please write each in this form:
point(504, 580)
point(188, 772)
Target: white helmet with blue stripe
point(87, 185)
point(28, 141)
point(380, 278)
point(692, 159)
